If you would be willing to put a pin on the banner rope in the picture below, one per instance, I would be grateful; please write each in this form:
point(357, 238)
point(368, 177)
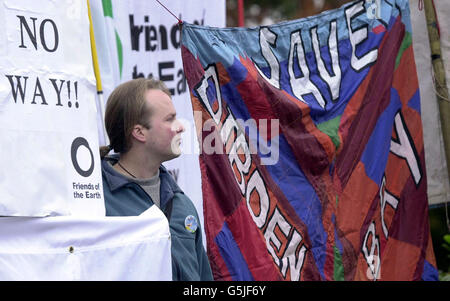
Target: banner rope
point(179, 20)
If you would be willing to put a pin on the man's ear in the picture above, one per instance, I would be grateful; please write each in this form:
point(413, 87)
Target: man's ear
point(138, 133)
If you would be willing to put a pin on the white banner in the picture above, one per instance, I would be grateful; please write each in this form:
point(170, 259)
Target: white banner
point(437, 178)
point(49, 143)
point(69, 248)
point(142, 40)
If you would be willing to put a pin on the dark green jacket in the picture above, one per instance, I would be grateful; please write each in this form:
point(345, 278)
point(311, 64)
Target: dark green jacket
point(126, 198)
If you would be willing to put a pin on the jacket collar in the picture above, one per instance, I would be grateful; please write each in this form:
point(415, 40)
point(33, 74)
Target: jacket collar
point(113, 178)
point(116, 181)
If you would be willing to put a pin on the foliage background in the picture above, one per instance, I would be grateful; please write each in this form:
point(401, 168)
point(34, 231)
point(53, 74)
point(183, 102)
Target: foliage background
point(266, 12)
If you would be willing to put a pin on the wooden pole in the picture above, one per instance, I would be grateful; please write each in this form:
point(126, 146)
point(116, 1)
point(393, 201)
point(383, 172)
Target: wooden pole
point(439, 77)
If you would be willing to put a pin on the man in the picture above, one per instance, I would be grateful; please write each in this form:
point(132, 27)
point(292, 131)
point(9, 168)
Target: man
point(143, 130)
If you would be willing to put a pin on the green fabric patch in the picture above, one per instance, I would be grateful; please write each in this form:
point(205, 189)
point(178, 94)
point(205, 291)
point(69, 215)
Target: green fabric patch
point(407, 41)
point(331, 128)
point(338, 266)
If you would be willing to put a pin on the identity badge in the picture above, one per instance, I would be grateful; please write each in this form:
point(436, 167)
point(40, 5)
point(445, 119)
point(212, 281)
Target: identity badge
point(190, 223)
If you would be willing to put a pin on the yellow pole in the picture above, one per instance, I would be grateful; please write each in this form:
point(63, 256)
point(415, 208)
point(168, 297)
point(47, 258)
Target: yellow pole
point(439, 77)
point(97, 73)
point(94, 51)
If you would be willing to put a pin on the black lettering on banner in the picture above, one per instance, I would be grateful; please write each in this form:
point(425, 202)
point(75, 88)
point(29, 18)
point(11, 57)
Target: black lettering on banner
point(39, 93)
point(358, 36)
point(158, 37)
point(78, 195)
point(18, 83)
point(150, 35)
point(80, 141)
point(55, 32)
point(75, 85)
point(182, 83)
point(155, 37)
point(32, 34)
point(302, 85)
point(57, 89)
point(166, 77)
point(135, 32)
point(201, 22)
point(18, 88)
point(137, 74)
point(166, 72)
point(163, 37)
point(175, 36)
point(91, 190)
point(404, 148)
point(267, 39)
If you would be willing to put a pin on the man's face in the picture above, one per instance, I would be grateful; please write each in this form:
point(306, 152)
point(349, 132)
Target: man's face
point(163, 139)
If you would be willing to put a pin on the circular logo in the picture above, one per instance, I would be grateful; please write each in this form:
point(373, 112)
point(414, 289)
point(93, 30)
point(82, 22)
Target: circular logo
point(80, 141)
point(190, 223)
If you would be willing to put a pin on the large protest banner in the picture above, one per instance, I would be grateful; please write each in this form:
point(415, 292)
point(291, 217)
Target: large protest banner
point(49, 154)
point(312, 151)
point(140, 39)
